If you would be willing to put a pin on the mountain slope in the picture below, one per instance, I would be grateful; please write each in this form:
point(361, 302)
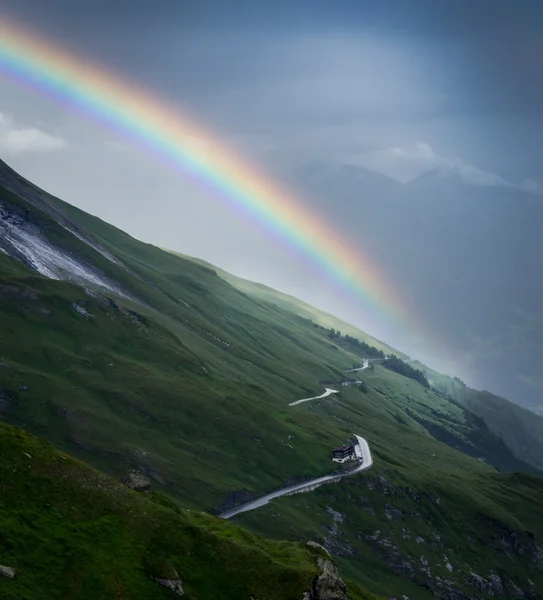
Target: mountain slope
point(178, 374)
point(268, 295)
point(465, 257)
point(521, 430)
point(71, 532)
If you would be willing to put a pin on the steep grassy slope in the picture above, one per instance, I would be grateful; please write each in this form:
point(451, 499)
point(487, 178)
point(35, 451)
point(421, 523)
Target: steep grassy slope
point(121, 388)
point(71, 532)
point(188, 379)
point(425, 521)
point(268, 295)
point(519, 428)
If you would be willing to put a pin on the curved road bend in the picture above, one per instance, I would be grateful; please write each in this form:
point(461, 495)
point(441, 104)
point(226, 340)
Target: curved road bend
point(327, 392)
point(363, 452)
point(365, 365)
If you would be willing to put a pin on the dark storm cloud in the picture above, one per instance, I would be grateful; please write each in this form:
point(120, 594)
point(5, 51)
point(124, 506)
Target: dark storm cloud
point(494, 46)
point(485, 56)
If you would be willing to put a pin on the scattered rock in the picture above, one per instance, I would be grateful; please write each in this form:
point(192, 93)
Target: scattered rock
point(493, 586)
point(7, 572)
point(138, 482)
point(81, 310)
point(175, 585)
point(336, 516)
point(496, 585)
point(514, 590)
point(19, 292)
point(328, 585)
point(373, 536)
point(393, 514)
point(424, 566)
point(333, 542)
point(519, 542)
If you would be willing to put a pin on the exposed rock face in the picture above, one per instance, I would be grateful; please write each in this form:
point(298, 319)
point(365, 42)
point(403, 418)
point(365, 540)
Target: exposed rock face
point(393, 514)
point(518, 543)
point(7, 572)
point(175, 585)
point(138, 482)
point(334, 542)
point(328, 585)
point(493, 586)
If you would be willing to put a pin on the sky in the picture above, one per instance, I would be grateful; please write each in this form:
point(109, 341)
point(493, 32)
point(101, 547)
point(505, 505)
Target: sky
point(396, 87)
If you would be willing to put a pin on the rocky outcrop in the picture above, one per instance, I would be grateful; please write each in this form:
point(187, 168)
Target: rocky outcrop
point(138, 482)
point(393, 514)
point(518, 543)
point(328, 585)
point(334, 542)
point(175, 585)
point(7, 572)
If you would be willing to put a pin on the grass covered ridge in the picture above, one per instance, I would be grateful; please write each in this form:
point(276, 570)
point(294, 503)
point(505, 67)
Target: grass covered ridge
point(189, 382)
point(72, 532)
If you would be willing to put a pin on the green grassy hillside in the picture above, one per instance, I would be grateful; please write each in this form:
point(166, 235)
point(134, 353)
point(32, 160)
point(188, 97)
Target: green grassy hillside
point(261, 292)
point(71, 532)
point(422, 507)
point(187, 379)
point(519, 428)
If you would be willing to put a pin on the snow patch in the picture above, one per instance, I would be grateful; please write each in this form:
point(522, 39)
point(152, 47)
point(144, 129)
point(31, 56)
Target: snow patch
point(49, 261)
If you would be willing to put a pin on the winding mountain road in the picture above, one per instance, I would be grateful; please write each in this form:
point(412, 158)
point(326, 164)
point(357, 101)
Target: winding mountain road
point(327, 392)
point(365, 365)
point(362, 451)
point(366, 461)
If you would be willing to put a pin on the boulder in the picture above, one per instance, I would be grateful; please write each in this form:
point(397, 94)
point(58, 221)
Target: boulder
point(138, 482)
point(175, 585)
point(328, 585)
point(7, 572)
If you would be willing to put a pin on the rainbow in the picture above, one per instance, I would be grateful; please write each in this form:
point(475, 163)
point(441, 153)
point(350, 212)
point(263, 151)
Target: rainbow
point(158, 127)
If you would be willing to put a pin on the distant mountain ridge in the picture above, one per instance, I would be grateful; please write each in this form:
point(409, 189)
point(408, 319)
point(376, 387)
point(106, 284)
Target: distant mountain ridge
point(466, 256)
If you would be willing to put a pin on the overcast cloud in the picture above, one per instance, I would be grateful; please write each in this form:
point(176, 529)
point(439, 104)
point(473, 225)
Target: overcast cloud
point(16, 139)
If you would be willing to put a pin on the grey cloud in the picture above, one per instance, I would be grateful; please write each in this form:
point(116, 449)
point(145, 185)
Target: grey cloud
point(18, 139)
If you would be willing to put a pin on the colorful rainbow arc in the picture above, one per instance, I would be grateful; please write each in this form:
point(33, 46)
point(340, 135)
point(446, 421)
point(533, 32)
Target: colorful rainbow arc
point(157, 126)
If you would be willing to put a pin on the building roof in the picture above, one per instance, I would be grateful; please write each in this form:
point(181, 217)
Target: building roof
point(344, 447)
